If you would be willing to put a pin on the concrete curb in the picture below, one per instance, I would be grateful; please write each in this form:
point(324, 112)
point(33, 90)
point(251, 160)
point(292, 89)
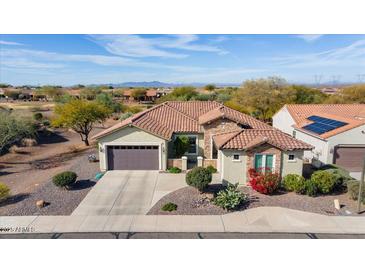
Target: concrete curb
point(262, 219)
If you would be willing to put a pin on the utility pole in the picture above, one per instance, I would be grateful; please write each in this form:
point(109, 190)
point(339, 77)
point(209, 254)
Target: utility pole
point(317, 79)
point(361, 186)
point(360, 77)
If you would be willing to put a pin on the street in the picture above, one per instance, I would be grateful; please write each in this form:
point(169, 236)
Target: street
point(153, 235)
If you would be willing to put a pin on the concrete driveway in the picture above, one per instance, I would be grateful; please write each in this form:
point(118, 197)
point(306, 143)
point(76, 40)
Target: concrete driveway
point(128, 192)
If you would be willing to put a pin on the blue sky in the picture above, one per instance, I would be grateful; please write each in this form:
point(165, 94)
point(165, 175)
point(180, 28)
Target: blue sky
point(96, 59)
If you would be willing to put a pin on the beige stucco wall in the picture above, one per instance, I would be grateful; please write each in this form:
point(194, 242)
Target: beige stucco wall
point(232, 171)
point(236, 171)
point(292, 167)
point(131, 136)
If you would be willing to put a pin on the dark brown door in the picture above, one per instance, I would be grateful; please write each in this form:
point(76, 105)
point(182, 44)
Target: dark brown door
point(351, 158)
point(133, 158)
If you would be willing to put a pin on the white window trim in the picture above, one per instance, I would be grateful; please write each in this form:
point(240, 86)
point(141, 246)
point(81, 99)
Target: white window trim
point(239, 157)
point(292, 161)
point(263, 164)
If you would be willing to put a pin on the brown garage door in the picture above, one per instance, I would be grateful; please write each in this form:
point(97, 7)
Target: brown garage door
point(133, 157)
point(351, 158)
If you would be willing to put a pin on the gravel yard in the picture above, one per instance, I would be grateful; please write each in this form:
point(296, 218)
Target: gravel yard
point(61, 202)
point(187, 199)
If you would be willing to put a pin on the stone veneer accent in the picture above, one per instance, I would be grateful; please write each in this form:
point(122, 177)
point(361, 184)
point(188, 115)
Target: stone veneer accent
point(215, 127)
point(210, 162)
point(263, 149)
point(174, 163)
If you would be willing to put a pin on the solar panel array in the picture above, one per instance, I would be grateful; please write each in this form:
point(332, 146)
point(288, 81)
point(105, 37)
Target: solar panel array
point(322, 125)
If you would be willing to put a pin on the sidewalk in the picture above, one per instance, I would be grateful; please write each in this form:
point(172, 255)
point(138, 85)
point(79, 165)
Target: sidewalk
point(262, 219)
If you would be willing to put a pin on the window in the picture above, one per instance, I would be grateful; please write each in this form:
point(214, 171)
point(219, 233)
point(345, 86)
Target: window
point(264, 162)
point(192, 145)
point(294, 133)
point(236, 157)
point(291, 158)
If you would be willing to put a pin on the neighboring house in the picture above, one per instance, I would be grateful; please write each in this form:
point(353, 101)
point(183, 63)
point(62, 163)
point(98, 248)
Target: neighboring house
point(229, 140)
point(330, 91)
point(336, 131)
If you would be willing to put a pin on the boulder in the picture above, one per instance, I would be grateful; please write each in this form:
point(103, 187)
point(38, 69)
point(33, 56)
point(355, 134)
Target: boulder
point(41, 203)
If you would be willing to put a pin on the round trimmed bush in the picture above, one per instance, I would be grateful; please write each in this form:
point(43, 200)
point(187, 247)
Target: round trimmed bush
point(38, 116)
point(310, 188)
point(198, 177)
point(294, 182)
point(4, 191)
point(325, 181)
point(212, 169)
point(64, 179)
point(353, 190)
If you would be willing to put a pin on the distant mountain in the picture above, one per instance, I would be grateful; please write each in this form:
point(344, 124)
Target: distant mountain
point(158, 84)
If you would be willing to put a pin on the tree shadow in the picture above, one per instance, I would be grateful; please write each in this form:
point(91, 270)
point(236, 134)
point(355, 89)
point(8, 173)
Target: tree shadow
point(14, 199)
point(82, 184)
point(3, 173)
point(50, 138)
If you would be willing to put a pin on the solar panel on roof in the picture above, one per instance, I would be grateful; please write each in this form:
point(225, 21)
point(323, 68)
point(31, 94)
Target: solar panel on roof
point(322, 125)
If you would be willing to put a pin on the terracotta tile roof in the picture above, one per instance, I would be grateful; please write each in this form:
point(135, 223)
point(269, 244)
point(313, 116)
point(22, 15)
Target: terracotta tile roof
point(249, 138)
point(127, 92)
point(352, 114)
point(169, 117)
point(151, 93)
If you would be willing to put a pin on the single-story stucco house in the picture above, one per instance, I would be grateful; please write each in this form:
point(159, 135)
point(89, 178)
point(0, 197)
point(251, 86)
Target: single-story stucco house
point(337, 132)
point(229, 140)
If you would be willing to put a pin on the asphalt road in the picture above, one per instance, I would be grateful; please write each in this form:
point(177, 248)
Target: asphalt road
point(152, 235)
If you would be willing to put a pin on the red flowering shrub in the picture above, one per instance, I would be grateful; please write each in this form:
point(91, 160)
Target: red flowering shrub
point(264, 182)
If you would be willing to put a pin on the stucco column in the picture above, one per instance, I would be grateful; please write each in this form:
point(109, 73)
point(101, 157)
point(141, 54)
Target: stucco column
point(184, 163)
point(200, 161)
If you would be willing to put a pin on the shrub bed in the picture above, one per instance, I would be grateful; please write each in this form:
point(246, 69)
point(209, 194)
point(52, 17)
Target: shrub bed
point(198, 177)
point(64, 179)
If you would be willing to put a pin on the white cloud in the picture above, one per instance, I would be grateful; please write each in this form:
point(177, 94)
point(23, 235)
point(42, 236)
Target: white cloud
point(351, 55)
point(9, 43)
point(137, 46)
point(310, 37)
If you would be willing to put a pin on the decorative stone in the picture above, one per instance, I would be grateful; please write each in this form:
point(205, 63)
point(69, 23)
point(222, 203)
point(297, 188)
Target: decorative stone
point(208, 196)
point(41, 203)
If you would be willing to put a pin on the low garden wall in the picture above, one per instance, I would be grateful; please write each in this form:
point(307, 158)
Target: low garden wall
point(174, 163)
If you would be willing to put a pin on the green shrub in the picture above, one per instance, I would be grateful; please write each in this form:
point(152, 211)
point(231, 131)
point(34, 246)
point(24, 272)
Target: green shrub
point(353, 190)
point(211, 169)
point(230, 197)
point(125, 115)
point(4, 191)
point(198, 177)
point(38, 116)
point(169, 207)
point(174, 170)
point(325, 181)
point(46, 123)
point(64, 179)
point(342, 175)
point(181, 145)
point(294, 182)
point(310, 188)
